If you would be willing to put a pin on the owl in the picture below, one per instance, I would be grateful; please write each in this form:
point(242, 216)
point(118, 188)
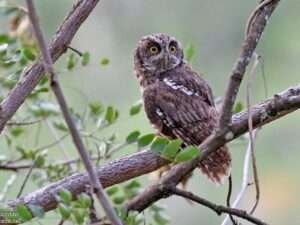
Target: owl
point(178, 102)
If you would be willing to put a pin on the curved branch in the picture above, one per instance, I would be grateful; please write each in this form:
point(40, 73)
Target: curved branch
point(146, 161)
point(59, 44)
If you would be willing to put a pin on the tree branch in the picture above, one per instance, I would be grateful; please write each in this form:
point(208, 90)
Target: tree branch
point(219, 209)
point(59, 44)
point(56, 88)
point(146, 161)
point(254, 30)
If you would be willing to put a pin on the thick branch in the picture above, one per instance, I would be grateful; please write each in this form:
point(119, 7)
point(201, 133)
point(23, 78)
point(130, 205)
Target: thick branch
point(258, 20)
point(146, 161)
point(262, 113)
point(60, 41)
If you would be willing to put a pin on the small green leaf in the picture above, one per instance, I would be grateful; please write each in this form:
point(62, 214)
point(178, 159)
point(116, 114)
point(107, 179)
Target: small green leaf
point(113, 190)
point(96, 108)
point(64, 211)
point(145, 140)
point(65, 195)
point(40, 161)
point(189, 52)
point(238, 107)
point(37, 211)
point(118, 200)
point(133, 184)
point(16, 131)
point(159, 144)
point(28, 53)
point(85, 58)
point(133, 136)
point(85, 200)
point(188, 153)
point(79, 216)
point(111, 114)
point(23, 212)
point(60, 126)
point(104, 61)
point(71, 61)
point(135, 109)
point(171, 149)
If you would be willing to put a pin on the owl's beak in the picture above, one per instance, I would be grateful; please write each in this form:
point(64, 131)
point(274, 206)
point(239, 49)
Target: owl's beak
point(166, 61)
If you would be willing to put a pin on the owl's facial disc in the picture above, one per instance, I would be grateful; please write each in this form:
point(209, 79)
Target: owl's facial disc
point(159, 54)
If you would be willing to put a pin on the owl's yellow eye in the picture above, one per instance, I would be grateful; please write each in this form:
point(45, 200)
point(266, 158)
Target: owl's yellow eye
point(172, 49)
point(153, 49)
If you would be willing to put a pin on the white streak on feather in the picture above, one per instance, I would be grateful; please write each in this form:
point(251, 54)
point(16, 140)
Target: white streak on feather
point(180, 87)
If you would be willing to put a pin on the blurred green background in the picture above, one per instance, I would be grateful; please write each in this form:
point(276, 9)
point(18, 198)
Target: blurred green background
point(216, 30)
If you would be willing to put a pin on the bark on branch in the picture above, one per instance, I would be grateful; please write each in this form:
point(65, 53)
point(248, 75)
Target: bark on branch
point(59, 43)
point(146, 161)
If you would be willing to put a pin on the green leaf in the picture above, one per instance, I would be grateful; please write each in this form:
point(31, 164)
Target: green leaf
point(64, 211)
point(79, 216)
point(189, 52)
point(118, 200)
point(104, 61)
point(85, 200)
point(40, 161)
point(111, 114)
point(159, 144)
point(71, 61)
point(135, 109)
point(171, 150)
point(16, 131)
point(145, 140)
point(113, 190)
point(60, 126)
point(85, 58)
point(65, 196)
point(37, 210)
point(28, 53)
point(238, 107)
point(133, 136)
point(96, 108)
point(23, 212)
point(188, 153)
point(133, 184)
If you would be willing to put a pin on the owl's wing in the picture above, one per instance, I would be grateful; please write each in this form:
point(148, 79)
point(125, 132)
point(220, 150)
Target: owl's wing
point(182, 108)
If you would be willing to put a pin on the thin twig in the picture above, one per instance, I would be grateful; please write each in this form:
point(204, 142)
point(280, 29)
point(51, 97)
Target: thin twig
point(26, 179)
point(229, 197)
point(250, 124)
point(245, 181)
point(219, 209)
point(47, 62)
point(75, 50)
point(25, 123)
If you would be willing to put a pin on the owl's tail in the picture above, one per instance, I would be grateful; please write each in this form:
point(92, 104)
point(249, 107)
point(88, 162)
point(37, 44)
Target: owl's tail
point(217, 165)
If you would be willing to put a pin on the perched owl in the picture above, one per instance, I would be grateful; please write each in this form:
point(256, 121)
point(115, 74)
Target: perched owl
point(178, 102)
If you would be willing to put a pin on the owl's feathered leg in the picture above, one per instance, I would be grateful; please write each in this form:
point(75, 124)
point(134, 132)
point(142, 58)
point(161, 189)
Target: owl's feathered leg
point(217, 165)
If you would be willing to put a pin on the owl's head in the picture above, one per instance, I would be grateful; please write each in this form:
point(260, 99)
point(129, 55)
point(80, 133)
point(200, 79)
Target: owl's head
point(157, 53)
